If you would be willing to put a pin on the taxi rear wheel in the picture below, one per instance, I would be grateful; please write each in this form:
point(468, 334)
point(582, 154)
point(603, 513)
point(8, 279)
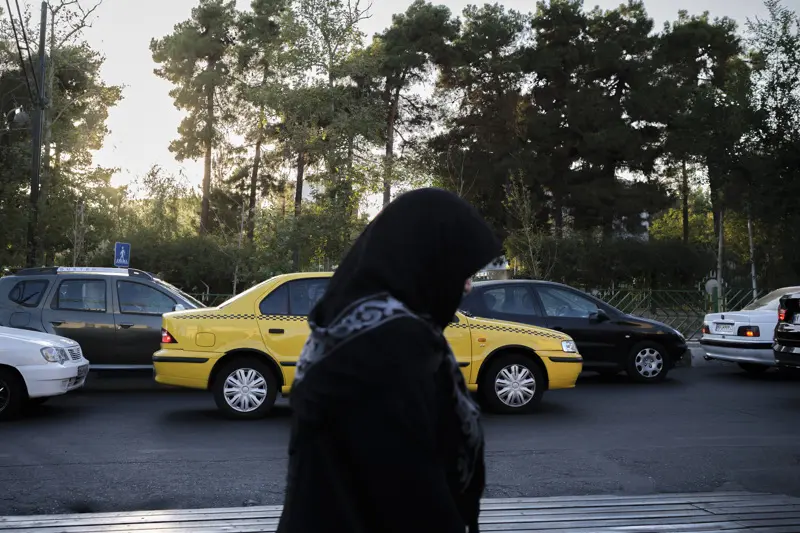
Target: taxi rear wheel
point(245, 389)
point(12, 394)
point(513, 383)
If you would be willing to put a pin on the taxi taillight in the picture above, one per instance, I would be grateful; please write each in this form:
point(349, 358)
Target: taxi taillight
point(166, 338)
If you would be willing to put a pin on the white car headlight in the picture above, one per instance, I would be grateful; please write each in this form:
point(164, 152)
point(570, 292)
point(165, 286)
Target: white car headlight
point(569, 346)
point(54, 355)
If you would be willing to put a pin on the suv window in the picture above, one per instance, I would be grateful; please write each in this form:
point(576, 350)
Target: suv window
point(28, 293)
point(567, 304)
point(295, 298)
point(138, 298)
point(81, 295)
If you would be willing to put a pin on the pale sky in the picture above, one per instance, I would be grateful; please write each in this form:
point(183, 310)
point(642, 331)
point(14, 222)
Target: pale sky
point(145, 122)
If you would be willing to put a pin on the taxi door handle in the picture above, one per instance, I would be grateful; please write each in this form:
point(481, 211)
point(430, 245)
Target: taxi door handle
point(125, 326)
point(276, 332)
point(56, 323)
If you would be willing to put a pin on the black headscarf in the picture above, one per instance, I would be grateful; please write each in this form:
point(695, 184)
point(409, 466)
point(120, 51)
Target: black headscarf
point(420, 249)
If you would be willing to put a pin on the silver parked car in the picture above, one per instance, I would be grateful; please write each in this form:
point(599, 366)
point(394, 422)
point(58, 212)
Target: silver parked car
point(745, 336)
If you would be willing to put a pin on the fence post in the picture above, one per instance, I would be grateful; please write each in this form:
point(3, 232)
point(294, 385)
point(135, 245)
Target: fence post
point(715, 299)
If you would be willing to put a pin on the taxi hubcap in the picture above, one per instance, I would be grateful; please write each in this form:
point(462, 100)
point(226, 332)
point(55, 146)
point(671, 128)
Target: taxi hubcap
point(515, 385)
point(245, 390)
point(649, 363)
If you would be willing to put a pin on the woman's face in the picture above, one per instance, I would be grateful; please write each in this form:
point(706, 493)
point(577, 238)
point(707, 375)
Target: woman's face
point(467, 286)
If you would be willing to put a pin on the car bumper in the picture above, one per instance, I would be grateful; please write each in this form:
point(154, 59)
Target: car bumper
point(563, 369)
point(52, 379)
point(181, 368)
point(740, 352)
point(786, 356)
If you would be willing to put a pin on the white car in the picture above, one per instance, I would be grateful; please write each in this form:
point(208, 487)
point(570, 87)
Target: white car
point(745, 337)
point(35, 366)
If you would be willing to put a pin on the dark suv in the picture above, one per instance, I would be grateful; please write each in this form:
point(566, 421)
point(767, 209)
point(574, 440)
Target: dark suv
point(787, 333)
point(113, 313)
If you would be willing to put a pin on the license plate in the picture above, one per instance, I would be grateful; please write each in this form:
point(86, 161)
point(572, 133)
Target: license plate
point(797, 318)
point(83, 370)
point(724, 328)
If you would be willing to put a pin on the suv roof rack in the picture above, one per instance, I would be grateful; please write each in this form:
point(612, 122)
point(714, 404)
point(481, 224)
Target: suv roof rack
point(44, 271)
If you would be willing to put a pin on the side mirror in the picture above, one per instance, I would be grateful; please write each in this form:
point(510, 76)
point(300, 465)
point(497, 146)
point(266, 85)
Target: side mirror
point(598, 316)
point(179, 307)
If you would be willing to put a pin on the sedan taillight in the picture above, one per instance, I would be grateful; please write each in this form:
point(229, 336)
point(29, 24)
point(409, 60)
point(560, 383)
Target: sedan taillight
point(749, 331)
point(706, 329)
point(782, 315)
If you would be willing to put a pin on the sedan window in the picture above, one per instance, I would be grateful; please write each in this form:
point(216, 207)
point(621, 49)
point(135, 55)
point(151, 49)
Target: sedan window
point(276, 302)
point(563, 303)
point(515, 300)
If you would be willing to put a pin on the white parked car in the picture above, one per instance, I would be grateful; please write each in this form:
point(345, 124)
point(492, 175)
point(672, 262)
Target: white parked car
point(745, 337)
point(35, 366)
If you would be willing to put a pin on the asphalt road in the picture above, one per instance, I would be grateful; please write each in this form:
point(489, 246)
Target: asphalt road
point(707, 428)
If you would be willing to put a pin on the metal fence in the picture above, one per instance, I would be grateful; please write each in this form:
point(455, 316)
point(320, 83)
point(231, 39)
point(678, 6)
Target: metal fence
point(210, 299)
point(682, 309)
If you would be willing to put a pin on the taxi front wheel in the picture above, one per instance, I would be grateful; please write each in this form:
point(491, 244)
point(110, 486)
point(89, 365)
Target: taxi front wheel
point(245, 389)
point(513, 383)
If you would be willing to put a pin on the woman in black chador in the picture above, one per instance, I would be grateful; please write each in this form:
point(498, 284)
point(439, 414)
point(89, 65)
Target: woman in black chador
point(385, 436)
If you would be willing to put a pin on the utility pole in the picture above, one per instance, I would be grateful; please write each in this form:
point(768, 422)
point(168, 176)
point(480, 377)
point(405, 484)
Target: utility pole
point(36, 155)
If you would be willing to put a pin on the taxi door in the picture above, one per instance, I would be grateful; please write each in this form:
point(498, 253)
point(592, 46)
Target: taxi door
point(460, 339)
point(283, 320)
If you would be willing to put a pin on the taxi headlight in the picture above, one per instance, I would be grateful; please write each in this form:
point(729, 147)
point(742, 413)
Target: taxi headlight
point(569, 346)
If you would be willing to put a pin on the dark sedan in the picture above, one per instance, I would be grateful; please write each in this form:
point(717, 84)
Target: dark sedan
point(787, 332)
point(609, 340)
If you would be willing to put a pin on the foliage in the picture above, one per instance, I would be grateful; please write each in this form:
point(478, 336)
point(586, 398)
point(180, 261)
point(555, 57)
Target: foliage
point(566, 127)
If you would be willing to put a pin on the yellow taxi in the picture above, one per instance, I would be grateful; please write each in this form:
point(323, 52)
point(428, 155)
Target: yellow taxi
point(245, 351)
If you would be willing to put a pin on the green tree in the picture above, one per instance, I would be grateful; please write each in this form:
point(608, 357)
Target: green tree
point(416, 40)
point(195, 59)
point(257, 57)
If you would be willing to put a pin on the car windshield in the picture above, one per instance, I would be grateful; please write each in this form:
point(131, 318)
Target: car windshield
point(770, 301)
point(185, 296)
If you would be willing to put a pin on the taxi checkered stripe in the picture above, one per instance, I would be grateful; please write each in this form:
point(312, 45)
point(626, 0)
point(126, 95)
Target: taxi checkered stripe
point(507, 329)
point(243, 316)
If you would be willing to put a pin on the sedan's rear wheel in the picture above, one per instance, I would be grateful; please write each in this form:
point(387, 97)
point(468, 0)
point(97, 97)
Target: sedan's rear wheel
point(513, 383)
point(245, 388)
point(12, 394)
point(648, 363)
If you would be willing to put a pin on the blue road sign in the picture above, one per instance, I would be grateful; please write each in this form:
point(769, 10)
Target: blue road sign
point(122, 255)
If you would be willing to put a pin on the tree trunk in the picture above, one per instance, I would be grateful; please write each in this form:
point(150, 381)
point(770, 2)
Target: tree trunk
point(558, 214)
point(753, 279)
point(205, 212)
point(298, 203)
point(720, 250)
point(251, 213)
point(388, 168)
point(47, 174)
point(685, 201)
point(298, 190)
